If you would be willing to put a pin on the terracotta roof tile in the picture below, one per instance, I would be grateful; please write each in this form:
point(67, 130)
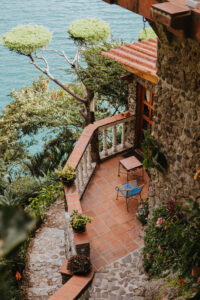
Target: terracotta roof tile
point(141, 56)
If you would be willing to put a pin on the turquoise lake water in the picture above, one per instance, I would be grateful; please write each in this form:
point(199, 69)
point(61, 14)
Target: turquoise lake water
point(16, 71)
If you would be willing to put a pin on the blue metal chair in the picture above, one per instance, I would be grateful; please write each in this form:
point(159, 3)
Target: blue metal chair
point(128, 190)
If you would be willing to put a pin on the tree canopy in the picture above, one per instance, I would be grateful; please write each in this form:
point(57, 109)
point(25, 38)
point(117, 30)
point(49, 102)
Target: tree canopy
point(146, 34)
point(89, 30)
point(27, 39)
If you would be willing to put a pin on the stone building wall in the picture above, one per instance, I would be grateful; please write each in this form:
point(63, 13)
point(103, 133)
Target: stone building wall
point(177, 118)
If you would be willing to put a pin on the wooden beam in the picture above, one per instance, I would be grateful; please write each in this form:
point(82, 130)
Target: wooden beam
point(145, 75)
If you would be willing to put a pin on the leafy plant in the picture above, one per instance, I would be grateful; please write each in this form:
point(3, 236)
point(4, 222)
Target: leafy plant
point(67, 174)
point(153, 157)
point(45, 198)
point(79, 221)
point(9, 199)
point(79, 265)
point(172, 242)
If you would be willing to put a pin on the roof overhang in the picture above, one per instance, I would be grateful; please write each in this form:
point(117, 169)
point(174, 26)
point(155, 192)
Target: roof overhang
point(138, 58)
point(180, 19)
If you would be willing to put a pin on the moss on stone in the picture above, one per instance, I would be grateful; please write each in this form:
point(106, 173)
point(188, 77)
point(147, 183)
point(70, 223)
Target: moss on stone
point(89, 30)
point(146, 34)
point(27, 38)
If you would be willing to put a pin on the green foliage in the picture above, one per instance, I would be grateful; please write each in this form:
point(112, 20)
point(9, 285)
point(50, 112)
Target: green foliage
point(79, 221)
point(25, 187)
point(79, 265)
point(146, 34)
point(89, 31)
point(103, 76)
point(36, 108)
point(26, 39)
point(67, 174)
point(171, 242)
point(153, 157)
point(44, 199)
point(9, 199)
point(15, 225)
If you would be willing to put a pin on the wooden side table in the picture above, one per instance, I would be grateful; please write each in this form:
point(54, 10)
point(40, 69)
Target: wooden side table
point(130, 164)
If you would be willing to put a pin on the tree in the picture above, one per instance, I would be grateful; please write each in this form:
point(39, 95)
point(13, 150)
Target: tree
point(29, 39)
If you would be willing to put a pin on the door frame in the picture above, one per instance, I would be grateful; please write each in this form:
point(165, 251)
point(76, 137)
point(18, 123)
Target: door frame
point(140, 116)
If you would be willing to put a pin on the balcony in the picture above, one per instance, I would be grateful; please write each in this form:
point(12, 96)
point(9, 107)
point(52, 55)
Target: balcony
point(114, 231)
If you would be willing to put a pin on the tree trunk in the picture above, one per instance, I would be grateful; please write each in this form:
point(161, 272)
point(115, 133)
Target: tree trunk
point(90, 118)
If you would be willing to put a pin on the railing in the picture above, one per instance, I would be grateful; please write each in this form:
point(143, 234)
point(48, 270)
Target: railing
point(110, 130)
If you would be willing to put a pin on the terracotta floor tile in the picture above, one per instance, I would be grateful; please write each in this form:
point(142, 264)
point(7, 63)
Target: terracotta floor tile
point(114, 232)
point(99, 262)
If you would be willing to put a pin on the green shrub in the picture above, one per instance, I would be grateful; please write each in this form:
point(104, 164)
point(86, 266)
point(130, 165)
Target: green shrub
point(25, 187)
point(44, 199)
point(171, 241)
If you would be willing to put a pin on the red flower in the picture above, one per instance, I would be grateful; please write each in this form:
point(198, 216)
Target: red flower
point(180, 281)
point(18, 275)
point(165, 227)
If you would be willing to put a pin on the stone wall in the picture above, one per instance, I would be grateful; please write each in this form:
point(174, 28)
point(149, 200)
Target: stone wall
point(177, 118)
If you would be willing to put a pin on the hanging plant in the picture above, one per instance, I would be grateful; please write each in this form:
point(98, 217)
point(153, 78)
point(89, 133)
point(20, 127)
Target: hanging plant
point(153, 157)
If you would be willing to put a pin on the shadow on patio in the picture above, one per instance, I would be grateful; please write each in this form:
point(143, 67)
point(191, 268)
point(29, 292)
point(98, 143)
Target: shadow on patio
point(114, 232)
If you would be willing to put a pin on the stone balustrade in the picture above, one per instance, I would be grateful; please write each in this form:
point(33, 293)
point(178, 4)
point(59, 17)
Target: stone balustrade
point(114, 132)
point(109, 130)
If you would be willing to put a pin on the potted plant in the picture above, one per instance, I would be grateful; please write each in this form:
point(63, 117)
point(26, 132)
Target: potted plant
point(79, 264)
point(67, 176)
point(79, 221)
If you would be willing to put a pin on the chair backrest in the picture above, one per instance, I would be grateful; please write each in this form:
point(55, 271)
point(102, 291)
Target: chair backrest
point(135, 191)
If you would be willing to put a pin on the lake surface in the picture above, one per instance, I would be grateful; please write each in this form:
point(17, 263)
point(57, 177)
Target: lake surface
point(16, 71)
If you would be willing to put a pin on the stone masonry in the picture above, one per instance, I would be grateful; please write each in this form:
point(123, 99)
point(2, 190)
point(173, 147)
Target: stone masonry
point(177, 118)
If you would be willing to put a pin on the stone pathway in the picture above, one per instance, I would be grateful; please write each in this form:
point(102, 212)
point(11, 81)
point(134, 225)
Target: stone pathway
point(121, 280)
point(45, 256)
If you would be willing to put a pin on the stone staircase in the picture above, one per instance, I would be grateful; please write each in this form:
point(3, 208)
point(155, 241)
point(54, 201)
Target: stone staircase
point(121, 280)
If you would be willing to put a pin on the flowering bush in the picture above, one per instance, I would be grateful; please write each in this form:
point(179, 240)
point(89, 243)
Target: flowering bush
point(172, 241)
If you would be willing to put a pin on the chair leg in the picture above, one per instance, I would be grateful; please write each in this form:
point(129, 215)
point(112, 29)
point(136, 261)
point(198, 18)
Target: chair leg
point(127, 204)
point(119, 169)
point(117, 194)
point(127, 201)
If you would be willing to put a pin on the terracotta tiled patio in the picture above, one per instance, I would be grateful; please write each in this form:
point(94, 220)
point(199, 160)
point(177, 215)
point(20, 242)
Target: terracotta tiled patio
point(114, 232)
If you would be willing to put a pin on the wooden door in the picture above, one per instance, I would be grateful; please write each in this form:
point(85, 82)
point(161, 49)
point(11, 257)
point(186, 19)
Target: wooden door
point(144, 113)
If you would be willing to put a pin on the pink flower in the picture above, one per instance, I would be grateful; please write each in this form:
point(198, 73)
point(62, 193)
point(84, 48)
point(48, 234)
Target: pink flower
point(165, 227)
point(160, 221)
point(159, 247)
point(148, 256)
